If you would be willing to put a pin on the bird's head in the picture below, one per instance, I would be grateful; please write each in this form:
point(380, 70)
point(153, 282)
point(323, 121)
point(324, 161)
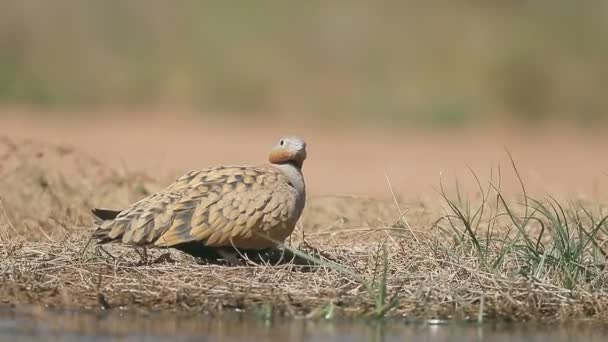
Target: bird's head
point(289, 150)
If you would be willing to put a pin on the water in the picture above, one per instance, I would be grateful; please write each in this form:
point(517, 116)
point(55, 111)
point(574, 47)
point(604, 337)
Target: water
point(47, 325)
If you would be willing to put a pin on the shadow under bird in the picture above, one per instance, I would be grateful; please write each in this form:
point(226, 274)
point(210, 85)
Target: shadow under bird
point(215, 210)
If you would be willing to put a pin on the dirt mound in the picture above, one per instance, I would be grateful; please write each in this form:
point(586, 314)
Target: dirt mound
point(44, 185)
point(335, 213)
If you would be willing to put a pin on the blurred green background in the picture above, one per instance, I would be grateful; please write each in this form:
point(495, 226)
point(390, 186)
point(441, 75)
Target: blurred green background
point(444, 62)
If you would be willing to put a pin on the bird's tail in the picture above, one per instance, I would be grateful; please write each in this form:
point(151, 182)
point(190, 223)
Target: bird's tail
point(100, 217)
point(105, 214)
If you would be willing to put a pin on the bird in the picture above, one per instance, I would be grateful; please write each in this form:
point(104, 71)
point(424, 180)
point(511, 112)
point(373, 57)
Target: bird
point(248, 207)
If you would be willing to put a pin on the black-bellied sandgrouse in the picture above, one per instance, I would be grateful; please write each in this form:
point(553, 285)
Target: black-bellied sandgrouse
point(247, 207)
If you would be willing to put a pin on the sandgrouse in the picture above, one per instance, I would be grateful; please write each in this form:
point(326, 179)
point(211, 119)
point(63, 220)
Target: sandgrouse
point(246, 207)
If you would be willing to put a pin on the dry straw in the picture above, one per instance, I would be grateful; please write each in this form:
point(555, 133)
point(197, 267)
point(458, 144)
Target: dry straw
point(492, 257)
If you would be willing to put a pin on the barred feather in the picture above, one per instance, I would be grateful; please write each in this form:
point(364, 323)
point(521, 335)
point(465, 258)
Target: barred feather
point(220, 206)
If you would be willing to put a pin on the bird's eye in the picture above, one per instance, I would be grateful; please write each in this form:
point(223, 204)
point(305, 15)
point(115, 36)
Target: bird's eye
point(282, 142)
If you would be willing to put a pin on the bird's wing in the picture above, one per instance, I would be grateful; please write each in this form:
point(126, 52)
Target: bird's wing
point(213, 205)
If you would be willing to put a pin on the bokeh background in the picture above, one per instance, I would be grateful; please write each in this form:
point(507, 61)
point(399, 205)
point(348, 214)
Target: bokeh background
point(412, 90)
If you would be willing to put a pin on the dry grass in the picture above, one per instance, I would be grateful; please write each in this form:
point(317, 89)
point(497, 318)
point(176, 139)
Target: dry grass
point(487, 258)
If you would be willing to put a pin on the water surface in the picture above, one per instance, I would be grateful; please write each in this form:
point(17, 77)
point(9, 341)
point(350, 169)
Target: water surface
point(38, 324)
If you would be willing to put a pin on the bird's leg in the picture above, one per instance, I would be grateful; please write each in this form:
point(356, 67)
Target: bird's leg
point(86, 246)
point(99, 249)
point(143, 255)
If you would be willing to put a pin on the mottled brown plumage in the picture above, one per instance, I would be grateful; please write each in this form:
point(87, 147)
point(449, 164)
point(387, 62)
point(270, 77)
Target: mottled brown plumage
point(242, 206)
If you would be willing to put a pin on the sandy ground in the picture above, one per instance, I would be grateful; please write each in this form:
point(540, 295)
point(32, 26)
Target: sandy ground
point(432, 268)
point(342, 159)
